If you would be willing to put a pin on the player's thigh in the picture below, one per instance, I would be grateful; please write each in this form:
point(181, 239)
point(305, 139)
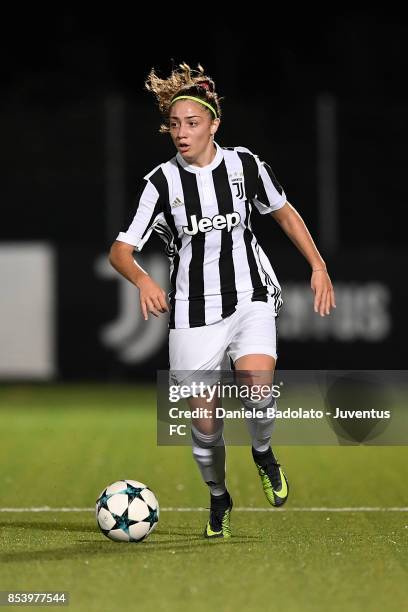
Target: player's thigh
point(253, 347)
point(197, 355)
point(255, 369)
point(198, 348)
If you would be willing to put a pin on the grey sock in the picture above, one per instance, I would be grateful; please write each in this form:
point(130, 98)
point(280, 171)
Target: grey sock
point(260, 429)
point(209, 453)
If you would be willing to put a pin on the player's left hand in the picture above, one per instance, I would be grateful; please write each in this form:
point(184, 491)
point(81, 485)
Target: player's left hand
point(322, 287)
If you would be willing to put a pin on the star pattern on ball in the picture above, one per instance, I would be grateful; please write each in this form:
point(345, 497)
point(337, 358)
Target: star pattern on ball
point(152, 518)
point(123, 521)
point(133, 492)
point(103, 501)
point(120, 524)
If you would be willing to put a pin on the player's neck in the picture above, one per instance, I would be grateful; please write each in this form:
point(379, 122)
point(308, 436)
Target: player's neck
point(206, 157)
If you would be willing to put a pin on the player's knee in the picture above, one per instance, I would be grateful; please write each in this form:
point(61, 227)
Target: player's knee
point(259, 401)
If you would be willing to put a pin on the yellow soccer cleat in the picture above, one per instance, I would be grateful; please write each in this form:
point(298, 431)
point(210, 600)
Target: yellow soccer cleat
point(274, 481)
point(219, 524)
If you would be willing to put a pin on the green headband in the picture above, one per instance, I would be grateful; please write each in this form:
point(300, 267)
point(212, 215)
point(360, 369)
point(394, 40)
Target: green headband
point(196, 100)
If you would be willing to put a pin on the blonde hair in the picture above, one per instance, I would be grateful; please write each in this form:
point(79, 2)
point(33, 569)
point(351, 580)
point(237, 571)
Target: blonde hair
point(182, 81)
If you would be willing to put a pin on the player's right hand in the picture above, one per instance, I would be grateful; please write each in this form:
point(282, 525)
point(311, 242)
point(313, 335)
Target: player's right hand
point(152, 298)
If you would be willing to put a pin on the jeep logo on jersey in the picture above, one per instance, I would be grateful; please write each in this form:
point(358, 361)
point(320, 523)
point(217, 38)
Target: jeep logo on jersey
point(206, 224)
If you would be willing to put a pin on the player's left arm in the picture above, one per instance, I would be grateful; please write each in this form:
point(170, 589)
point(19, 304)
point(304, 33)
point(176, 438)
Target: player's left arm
point(294, 227)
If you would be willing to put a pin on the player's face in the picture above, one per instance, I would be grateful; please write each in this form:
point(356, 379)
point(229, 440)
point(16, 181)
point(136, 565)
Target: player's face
point(192, 130)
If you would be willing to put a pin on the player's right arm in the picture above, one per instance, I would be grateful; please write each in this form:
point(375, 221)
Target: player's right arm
point(152, 296)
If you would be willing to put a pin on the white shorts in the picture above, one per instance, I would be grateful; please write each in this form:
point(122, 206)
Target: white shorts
point(249, 330)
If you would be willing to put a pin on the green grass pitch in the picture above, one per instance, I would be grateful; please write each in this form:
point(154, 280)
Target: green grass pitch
point(61, 445)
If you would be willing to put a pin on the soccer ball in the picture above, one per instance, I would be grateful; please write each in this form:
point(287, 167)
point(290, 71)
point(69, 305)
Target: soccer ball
point(127, 511)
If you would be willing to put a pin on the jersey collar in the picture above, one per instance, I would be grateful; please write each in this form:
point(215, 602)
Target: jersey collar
point(219, 156)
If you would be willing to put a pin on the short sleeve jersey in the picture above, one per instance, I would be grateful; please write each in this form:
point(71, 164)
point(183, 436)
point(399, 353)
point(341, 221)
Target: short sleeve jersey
point(203, 214)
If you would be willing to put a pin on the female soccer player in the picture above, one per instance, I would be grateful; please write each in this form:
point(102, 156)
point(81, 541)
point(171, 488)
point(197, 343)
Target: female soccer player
point(224, 296)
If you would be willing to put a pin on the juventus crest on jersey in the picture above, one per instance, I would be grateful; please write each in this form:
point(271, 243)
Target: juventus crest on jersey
point(204, 217)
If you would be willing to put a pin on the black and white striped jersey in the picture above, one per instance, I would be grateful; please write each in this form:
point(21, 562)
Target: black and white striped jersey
point(204, 217)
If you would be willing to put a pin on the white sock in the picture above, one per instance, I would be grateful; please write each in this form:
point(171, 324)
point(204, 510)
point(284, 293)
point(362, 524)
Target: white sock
point(209, 453)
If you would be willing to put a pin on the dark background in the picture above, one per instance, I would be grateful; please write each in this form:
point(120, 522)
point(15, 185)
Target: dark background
point(59, 70)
